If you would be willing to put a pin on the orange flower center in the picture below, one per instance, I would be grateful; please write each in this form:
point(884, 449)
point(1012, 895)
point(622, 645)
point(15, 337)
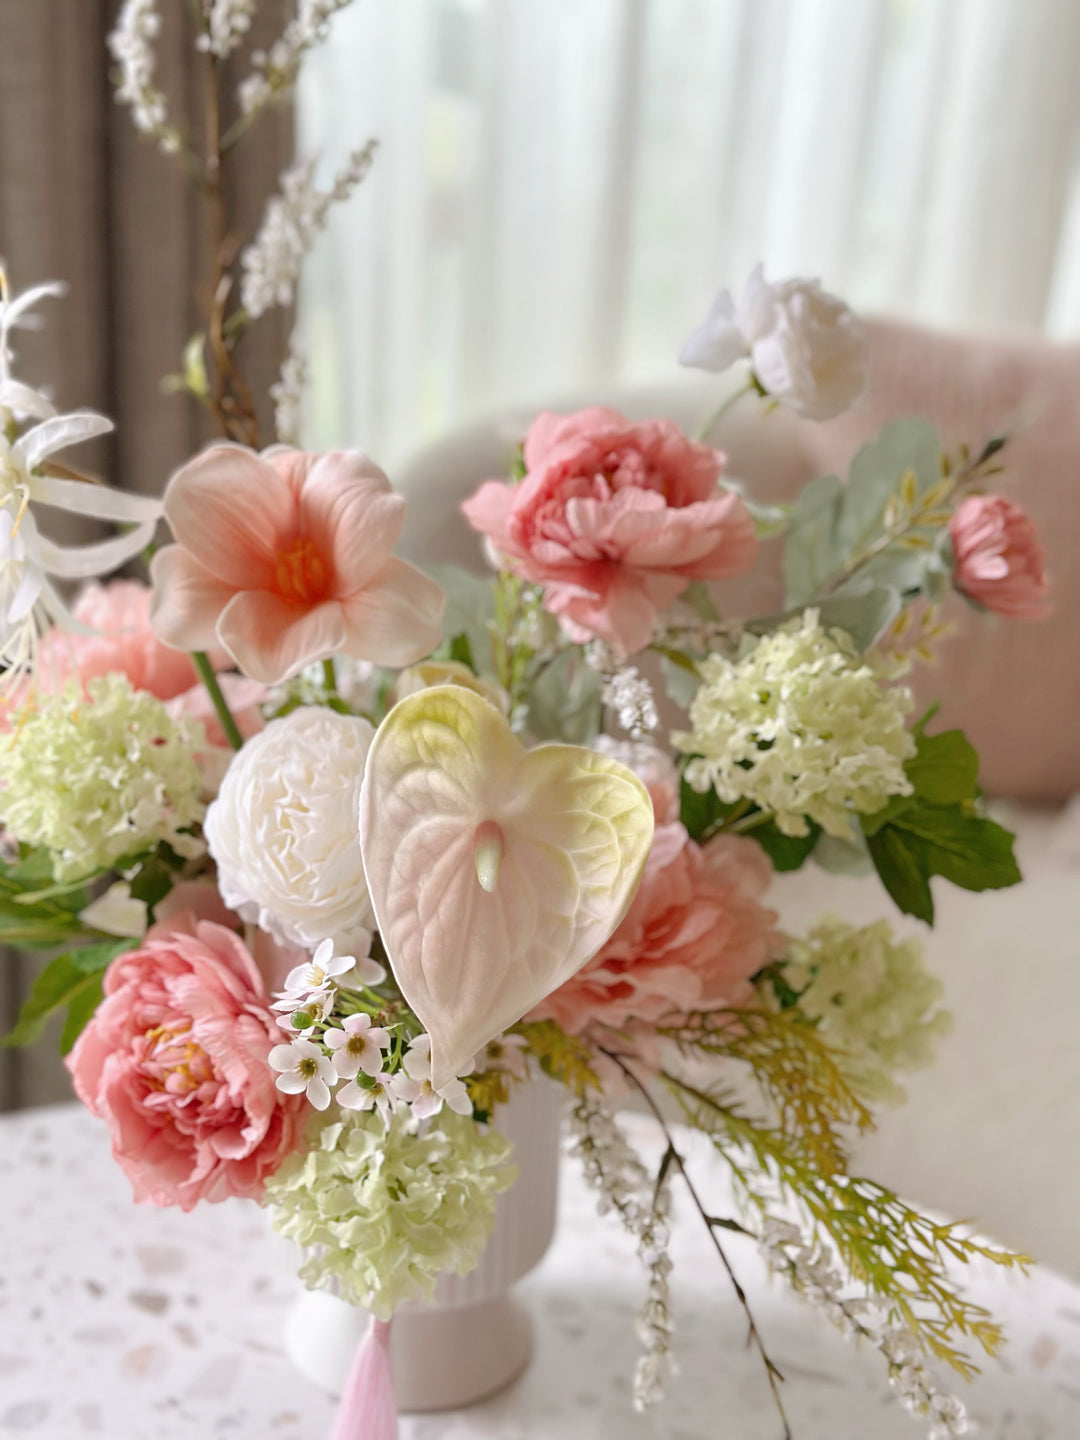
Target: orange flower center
point(174, 1064)
point(301, 573)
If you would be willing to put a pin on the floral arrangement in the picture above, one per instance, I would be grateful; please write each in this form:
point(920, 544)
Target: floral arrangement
point(334, 862)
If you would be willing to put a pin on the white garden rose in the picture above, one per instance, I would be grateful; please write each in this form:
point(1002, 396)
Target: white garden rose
point(806, 348)
point(284, 831)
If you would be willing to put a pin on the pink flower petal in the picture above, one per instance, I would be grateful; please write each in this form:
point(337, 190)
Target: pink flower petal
point(396, 619)
point(233, 511)
point(271, 640)
point(187, 600)
point(351, 515)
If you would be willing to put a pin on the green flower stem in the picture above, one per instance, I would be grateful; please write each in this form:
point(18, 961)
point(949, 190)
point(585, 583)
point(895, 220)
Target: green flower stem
point(329, 676)
point(722, 409)
point(221, 706)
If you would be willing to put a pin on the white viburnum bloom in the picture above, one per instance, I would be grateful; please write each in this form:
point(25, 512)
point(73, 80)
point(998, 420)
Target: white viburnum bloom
point(284, 831)
point(800, 726)
point(412, 1084)
point(304, 1070)
point(873, 1000)
point(806, 348)
point(357, 1045)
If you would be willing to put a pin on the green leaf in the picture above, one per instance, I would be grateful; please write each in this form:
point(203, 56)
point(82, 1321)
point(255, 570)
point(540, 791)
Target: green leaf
point(875, 474)
point(899, 861)
point(787, 852)
point(470, 608)
point(82, 1006)
point(945, 769)
point(461, 651)
point(66, 981)
point(701, 812)
point(680, 676)
point(865, 611)
point(812, 551)
point(564, 701)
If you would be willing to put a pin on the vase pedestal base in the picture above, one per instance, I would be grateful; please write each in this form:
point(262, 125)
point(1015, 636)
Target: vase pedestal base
point(443, 1359)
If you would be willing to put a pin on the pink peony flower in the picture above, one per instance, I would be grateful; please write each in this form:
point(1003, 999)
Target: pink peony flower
point(285, 558)
point(616, 519)
point(175, 1059)
point(999, 561)
point(692, 939)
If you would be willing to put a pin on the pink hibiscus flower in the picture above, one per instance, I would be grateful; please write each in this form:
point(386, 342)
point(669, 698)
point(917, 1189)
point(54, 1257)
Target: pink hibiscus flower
point(285, 558)
point(615, 519)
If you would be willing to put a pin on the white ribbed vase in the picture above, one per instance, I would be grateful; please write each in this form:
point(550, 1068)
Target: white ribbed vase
point(472, 1338)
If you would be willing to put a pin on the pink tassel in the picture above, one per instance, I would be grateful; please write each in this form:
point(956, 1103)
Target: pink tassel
point(366, 1410)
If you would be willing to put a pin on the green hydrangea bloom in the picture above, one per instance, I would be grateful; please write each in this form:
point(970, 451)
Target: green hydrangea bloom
point(98, 774)
point(875, 1002)
point(383, 1212)
point(802, 727)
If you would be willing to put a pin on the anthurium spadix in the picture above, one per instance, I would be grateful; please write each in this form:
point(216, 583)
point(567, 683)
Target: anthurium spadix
point(495, 872)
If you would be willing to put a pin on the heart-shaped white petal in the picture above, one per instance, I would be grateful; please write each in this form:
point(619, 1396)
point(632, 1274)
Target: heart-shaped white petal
point(495, 872)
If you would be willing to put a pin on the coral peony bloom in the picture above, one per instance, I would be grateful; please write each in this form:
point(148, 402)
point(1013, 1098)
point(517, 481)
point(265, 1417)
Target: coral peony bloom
point(175, 1059)
point(999, 561)
point(616, 519)
point(693, 937)
point(285, 558)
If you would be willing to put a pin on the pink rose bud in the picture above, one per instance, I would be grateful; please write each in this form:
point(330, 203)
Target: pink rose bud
point(999, 561)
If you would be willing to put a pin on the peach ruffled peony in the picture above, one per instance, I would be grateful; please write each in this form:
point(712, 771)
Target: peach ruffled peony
point(999, 561)
point(285, 558)
point(692, 939)
point(615, 519)
point(175, 1059)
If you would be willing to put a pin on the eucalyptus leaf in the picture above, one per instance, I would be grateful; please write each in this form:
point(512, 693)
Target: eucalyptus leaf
point(813, 553)
point(681, 682)
point(564, 701)
point(864, 611)
point(470, 609)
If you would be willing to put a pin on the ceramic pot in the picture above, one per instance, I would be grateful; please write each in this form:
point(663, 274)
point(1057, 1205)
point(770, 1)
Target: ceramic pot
point(472, 1338)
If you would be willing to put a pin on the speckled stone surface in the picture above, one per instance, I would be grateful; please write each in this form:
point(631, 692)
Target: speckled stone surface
point(133, 1324)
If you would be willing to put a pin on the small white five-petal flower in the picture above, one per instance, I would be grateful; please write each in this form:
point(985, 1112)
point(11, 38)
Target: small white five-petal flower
point(412, 1084)
point(357, 1045)
point(304, 1069)
point(382, 1096)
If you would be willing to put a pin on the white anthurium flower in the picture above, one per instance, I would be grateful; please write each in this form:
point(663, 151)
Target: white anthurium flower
point(357, 1045)
point(304, 1069)
point(413, 1084)
point(806, 347)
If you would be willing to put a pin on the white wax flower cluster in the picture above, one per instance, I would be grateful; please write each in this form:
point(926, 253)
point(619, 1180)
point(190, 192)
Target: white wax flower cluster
point(283, 831)
point(94, 777)
point(805, 346)
point(874, 1001)
point(801, 727)
point(228, 22)
point(276, 69)
point(132, 45)
point(293, 219)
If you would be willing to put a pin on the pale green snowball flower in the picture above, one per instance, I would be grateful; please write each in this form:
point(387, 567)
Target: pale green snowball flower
point(93, 776)
point(382, 1212)
point(874, 1001)
point(801, 726)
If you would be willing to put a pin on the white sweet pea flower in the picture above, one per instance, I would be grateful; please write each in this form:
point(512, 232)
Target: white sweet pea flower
point(304, 1070)
point(357, 1045)
point(806, 348)
point(413, 1084)
point(284, 833)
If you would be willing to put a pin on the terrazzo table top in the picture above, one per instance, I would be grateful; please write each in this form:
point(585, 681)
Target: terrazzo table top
point(127, 1323)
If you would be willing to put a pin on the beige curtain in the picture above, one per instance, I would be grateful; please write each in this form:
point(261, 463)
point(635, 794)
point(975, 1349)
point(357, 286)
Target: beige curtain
point(84, 199)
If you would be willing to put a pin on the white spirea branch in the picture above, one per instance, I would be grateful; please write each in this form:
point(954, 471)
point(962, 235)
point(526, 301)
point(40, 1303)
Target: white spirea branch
point(813, 1274)
point(294, 217)
point(275, 71)
point(613, 1169)
point(287, 392)
point(132, 45)
point(227, 24)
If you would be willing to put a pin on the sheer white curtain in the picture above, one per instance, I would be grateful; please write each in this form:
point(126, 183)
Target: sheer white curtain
point(563, 184)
